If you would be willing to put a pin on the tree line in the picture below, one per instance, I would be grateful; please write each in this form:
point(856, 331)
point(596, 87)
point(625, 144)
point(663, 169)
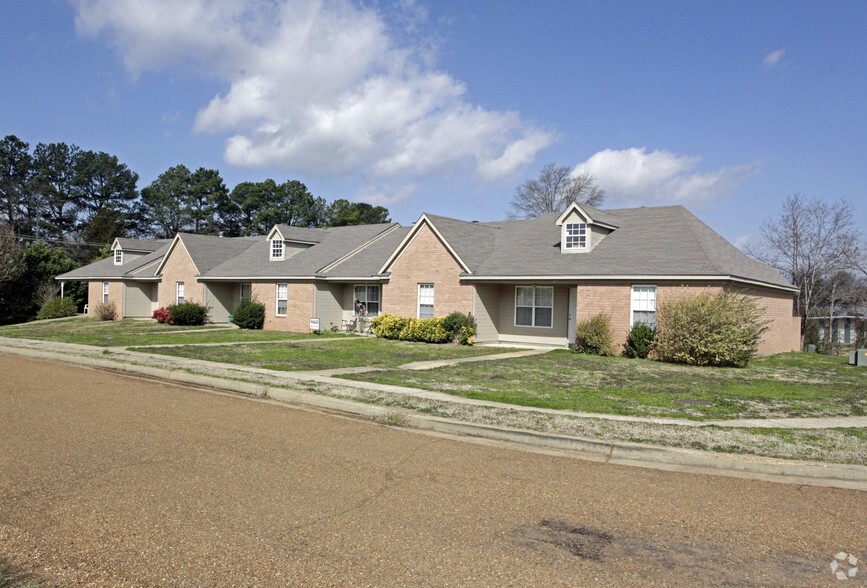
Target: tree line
point(63, 193)
point(62, 206)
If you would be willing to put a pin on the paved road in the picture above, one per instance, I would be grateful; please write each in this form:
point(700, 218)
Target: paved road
point(110, 480)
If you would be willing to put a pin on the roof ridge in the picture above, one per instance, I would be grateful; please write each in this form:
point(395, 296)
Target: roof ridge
point(690, 223)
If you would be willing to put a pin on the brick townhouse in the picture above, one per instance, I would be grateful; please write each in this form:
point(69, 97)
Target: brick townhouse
point(525, 281)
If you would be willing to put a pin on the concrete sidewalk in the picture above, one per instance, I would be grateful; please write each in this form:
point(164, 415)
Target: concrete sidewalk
point(293, 387)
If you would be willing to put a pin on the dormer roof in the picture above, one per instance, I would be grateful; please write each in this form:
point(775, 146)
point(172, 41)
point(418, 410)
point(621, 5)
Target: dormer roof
point(594, 216)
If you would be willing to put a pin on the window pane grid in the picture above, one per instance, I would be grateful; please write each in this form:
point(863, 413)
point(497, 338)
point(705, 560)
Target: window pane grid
point(576, 235)
point(282, 298)
point(425, 301)
point(644, 305)
point(367, 300)
point(276, 248)
point(534, 306)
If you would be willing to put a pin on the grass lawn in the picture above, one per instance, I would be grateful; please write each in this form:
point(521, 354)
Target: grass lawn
point(791, 384)
point(355, 352)
point(128, 332)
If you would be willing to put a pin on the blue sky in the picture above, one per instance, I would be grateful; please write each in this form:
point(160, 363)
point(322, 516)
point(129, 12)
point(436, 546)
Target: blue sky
point(444, 107)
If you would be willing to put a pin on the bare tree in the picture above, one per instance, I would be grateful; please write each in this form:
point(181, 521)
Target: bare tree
point(555, 189)
point(809, 242)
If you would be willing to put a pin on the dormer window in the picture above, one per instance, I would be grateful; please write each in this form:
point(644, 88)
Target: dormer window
point(118, 257)
point(576, 235)
point(277, 249)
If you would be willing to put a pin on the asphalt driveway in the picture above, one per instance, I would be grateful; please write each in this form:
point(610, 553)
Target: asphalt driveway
point(112, 480)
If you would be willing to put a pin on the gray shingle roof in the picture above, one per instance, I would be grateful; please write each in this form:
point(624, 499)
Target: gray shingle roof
point(655, 241)
point(333, 244)
point(141, 245)
point(105, 269)
point(208, 251)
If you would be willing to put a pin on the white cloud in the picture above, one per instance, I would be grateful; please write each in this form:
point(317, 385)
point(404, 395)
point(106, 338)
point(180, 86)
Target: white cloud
point(171, 116)
point(320, 87)
point(772, 59)
point(633, 177)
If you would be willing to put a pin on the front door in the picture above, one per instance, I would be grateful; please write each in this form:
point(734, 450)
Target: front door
point(573, 304)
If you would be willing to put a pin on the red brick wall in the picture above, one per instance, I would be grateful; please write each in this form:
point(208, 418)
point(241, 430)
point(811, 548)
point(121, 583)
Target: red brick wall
point(179, 268)
point(299, 306)
point(614, 299)
point(426, 261)
point(94, 297)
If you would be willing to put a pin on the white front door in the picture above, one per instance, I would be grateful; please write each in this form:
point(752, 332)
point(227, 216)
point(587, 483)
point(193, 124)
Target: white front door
point(573, 304)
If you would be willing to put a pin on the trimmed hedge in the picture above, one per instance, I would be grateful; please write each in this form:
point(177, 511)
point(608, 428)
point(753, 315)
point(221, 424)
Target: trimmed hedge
point(188, 313)
point(57, 308)
point(249, 315)
point(429, 330)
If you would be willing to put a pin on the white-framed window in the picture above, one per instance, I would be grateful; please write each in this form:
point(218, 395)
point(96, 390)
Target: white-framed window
point(576, 235)
point(246, 292)
point(276, 248)
point(368, 300)
point(282, 299)
point(179, 292)
point(425, 301)
point(644, 304)
point(534, 306)
point(105, 292)
point(118, 257)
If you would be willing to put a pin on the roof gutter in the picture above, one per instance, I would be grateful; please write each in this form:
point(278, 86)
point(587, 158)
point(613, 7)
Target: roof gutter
point(558, 279)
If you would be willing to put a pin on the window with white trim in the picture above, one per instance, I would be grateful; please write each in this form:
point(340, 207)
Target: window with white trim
point(425, 301)
point(534, 306)
point(282, 299)
point(105, 292)
point(246, 292)
point(576, 235)
point(368, 300)
point(118, 257)
point(179, 294)
point(644, 305)
point(276, 248)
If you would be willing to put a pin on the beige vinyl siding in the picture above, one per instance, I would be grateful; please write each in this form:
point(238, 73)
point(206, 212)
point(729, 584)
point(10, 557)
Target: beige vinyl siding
point(328, 308)
point(510, 333)
point(486, 309)
point(221, 298)
point(596, 235)
point(139, 299)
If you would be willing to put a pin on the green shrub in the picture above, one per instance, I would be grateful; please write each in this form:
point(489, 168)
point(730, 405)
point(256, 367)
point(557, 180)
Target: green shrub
point(249, 315)
point(188, 313)
point(105, 312)
point(388, 326)
point(721, 330)
point(429, 330)
point(57, 308)
point(461, 326)
point(594, 336)
point(640, 341)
